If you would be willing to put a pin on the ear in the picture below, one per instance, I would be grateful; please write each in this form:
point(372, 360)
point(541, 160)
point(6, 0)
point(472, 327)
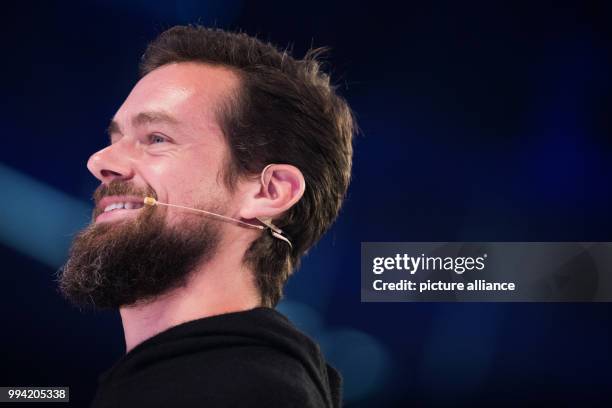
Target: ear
point(278, 188)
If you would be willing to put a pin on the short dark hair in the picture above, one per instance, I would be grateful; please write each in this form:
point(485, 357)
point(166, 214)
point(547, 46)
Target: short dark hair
point(285, 111)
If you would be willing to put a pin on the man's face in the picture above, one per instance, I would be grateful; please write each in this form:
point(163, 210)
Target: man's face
point(166, 136)
point(165, 142)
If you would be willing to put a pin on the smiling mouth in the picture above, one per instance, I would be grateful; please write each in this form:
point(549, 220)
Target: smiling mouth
point(126, 205)
point(119, 209)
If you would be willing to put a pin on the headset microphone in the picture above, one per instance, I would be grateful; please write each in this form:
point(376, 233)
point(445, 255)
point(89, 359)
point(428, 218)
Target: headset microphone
point(274, 230)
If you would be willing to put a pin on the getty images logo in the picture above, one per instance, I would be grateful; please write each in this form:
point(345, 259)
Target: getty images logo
point(458, 264)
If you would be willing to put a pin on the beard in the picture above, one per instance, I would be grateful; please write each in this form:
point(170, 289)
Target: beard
point(134, 261)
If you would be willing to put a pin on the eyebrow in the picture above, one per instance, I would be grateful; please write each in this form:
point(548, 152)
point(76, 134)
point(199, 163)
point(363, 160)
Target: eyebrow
point(143, 118)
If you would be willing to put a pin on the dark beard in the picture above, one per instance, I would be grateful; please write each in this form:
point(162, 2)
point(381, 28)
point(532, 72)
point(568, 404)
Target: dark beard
point(124, 263)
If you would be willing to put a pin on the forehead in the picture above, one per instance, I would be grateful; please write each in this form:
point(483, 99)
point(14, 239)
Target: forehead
point(190, 92)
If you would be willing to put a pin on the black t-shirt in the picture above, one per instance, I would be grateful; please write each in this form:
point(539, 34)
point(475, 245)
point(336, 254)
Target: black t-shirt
point(254, 358)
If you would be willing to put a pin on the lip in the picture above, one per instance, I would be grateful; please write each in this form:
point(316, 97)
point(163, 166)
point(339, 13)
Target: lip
point(121, 213)
point(108, 200)
point(117, 214)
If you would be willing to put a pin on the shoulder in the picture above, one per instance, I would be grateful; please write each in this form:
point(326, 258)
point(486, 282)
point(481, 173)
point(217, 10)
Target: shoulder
point(266, 377)
point(250, 376)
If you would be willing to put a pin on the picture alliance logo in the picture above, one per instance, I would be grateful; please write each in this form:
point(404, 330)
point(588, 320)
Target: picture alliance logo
point(412, 264)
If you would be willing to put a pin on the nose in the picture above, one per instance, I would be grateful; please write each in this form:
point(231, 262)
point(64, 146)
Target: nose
point(112, 163)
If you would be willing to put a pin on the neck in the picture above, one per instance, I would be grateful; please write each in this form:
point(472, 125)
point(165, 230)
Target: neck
point(220, 286)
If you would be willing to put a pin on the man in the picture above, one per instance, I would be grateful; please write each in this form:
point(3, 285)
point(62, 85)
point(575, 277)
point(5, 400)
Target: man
point(219, 123)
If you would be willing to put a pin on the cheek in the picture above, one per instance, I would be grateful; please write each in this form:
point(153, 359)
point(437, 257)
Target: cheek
point(199, 178)
point(167, 179)
point(184, 185)
point(189, 177)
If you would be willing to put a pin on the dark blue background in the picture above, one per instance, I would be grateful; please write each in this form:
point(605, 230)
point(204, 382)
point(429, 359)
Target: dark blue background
point(486, 121)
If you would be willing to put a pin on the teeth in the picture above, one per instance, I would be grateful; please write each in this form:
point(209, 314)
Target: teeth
point(118, 206)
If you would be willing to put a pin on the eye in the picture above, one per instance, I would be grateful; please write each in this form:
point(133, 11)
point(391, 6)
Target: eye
point(156, 139)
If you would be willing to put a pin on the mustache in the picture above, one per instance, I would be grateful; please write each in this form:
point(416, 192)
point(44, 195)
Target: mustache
point(119, 187)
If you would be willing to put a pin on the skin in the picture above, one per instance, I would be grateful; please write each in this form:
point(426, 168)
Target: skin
point(166, 135)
